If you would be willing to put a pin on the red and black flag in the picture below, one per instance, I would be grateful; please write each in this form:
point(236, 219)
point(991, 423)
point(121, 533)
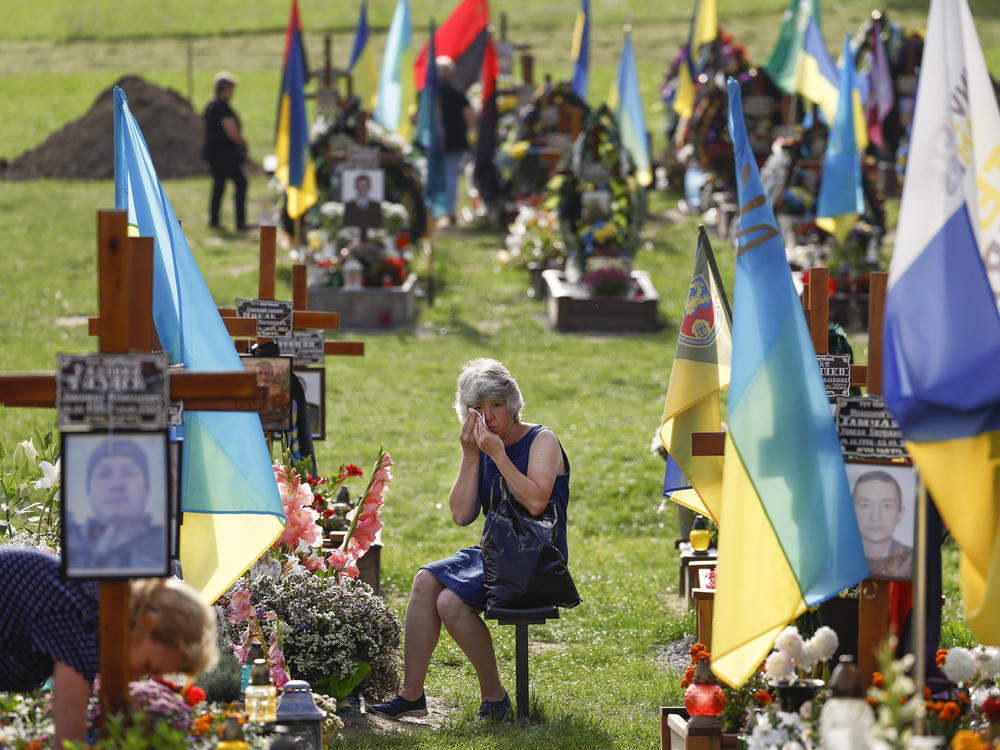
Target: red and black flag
point(485, 172)
point(463, 37)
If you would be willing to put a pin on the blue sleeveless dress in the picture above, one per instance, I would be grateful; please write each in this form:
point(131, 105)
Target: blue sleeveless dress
point(463, 571)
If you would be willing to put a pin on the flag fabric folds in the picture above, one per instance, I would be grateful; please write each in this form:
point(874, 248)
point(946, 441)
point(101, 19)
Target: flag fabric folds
point(783, 64)
point(881, 97)
point(788, 537)
point(704, 29)
point(580, 52)
point(818, 80)
point(841, 199)
point(700, 372)
point(362, 64)
point(430, 137)
point(295, 164)
point(942, 327)
point(626, 102)
point(484, 173)
point(232, 509)
point(395, 96)
point(462, 37)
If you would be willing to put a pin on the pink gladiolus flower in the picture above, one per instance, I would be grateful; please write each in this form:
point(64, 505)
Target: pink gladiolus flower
point(279, 676)
point(339, 559)
point(315, 562)
point(274, 653)
point(241, 605)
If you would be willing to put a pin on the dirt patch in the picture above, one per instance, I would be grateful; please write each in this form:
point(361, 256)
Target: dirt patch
point(438, 711)
point(676, 655)
point(84, 148)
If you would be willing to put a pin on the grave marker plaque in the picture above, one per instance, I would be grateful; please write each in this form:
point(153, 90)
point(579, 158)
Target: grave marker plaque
point(274, 317)
point(119, 390)
point(304, 347)
point(867, 428)
point(836, 372)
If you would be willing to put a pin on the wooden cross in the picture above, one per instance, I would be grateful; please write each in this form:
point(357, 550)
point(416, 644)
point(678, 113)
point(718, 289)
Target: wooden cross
point(873, 598)
point(125, 325)
point(302, 318)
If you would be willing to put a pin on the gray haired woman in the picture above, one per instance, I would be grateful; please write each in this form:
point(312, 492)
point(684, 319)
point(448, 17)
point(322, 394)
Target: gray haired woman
point(530, 459)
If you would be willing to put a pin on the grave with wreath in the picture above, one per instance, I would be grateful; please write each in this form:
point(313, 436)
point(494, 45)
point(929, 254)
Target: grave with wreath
point(601, 209)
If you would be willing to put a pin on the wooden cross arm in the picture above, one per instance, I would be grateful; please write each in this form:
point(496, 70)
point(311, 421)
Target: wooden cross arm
point(235, 326)
point(236, 391)
point(28, 389)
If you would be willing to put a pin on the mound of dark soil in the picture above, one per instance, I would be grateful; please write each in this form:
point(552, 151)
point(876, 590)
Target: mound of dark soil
point(84, 149)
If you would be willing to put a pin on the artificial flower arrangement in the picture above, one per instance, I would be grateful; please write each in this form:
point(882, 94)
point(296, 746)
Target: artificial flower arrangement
point(796, 659)
point(973, 699)
point(317, 622)
point(384, 254)
point(533, 238)
point(608, 277)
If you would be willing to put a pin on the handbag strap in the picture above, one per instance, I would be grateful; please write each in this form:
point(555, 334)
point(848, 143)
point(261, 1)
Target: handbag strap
point(506, 494)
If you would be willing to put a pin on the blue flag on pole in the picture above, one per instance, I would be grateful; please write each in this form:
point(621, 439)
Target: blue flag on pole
point(232, 508)
point(430, 137)
point(942, 325)
point(580, 53)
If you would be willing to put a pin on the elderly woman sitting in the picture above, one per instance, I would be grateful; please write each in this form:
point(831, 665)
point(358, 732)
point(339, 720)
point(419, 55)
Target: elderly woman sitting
point(496, 446)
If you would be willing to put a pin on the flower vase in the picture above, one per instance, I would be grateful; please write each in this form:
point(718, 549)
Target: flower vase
point(793, 693)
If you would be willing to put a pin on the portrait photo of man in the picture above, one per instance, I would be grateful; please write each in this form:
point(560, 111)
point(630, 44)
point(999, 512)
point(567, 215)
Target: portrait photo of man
point(885, 518)
point(362, 194)
point(275, 374)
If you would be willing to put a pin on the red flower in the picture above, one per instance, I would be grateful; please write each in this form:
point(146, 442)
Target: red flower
point(940, 657)
point(349, 470)
point(878, 680)
point(991, 708)
point(763, 697)
point(950, 711)
point(194, 695)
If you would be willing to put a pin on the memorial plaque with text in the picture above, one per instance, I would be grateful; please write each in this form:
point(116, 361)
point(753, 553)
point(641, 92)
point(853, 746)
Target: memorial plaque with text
point(304, 347)
point(867, 428)
point(836, 372)
point(113, 390)
point(274, 317)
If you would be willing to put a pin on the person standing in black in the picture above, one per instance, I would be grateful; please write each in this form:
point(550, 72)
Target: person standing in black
point(224, 149)
point(457, 116)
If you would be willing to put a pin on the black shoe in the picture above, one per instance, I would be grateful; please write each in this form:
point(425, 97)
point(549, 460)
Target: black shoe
point(399, 707)
point(494, 710)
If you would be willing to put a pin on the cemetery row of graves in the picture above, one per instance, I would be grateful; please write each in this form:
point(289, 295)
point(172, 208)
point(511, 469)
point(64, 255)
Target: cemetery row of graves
point(815, 604)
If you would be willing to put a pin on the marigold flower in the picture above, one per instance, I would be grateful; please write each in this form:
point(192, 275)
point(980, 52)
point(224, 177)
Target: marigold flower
point(962, 698)
point(763, 697)
point(201, 725)
point(871, 701)
point(950, 711)
point(940, 657)
point(927, 692)
point(968, 740)
point(878, 680)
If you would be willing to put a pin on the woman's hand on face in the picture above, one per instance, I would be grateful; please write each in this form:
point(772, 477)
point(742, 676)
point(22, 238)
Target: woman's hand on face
point(467, 436)
point(488, 442)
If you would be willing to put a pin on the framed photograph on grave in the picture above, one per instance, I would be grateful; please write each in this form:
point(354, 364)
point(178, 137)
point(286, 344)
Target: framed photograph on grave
point(276, 374)
point(362, 192)
point(313, 381)
point(595, 205)
point(885, 496)
point(175, 453)
point(116, 504)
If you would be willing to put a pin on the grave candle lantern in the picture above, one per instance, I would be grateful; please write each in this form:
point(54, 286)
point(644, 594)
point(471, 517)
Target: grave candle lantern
point(298, 712)
point(700, 537)
point(704, 698)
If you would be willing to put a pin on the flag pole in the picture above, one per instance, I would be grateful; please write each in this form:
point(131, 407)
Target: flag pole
point(918, 626)
point(297, 232)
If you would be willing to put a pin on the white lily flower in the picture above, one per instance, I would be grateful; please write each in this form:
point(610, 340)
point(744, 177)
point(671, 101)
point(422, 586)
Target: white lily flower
point(51, 475)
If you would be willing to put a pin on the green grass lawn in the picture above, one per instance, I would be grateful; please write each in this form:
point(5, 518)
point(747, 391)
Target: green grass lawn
point(601, 681)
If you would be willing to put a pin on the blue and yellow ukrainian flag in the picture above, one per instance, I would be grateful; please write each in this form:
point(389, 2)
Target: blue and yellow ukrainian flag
point(841, 199)
point(295, 164)
point(942, 326)
point(783, 64)
point(818, 80)
point(430, 136)
point(788, 537)
point(232, 509)
point(362, 64)
point(396, 88)
point(700, 373)
point(704, 29)
point(580, 53)
point(625, 101)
